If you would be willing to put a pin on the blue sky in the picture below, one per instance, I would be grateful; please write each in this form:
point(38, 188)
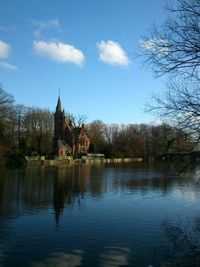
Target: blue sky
point(84, 47)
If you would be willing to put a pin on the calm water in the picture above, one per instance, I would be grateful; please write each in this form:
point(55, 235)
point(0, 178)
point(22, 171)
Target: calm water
point(107, 215)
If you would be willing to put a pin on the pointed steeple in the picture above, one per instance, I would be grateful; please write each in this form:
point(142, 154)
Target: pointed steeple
point(59, 106)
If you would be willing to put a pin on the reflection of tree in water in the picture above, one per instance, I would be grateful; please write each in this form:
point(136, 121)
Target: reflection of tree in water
point(35, 189)
point(181, 245)
point(22, 190)
point(185, 177)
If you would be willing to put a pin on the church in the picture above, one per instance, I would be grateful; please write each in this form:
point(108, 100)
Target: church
point(68, 138)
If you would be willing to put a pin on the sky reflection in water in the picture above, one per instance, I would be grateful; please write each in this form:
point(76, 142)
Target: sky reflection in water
point(93, 215)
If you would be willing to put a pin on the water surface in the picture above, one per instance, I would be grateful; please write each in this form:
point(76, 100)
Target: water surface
point(100, 215)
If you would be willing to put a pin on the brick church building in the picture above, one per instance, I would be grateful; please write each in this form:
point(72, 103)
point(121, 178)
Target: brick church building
point(68, 139)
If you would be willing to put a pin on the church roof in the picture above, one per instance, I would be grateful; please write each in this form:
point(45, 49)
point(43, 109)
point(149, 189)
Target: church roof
point(59, 106)
point(63, 144)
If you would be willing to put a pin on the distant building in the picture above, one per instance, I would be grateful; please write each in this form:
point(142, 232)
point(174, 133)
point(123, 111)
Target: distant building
point(68, 139)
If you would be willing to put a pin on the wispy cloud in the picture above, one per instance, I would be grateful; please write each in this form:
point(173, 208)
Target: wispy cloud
point(112, 53)
point(7, 28)
point(43, 25)
point(156, 45)
point(5, 50)
point(8, 66)
point(59, 52)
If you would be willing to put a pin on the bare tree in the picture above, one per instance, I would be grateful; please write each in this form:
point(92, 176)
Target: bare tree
point(111, 132)
point(95, 131)
point(38, 125)
point(174, 49)
point(175, 46)
point(181, 104)
point(20, 112)
point(76, 121)
point(6, 102)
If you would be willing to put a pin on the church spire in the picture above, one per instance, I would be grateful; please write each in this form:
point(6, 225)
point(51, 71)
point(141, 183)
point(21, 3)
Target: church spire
point(59, 106)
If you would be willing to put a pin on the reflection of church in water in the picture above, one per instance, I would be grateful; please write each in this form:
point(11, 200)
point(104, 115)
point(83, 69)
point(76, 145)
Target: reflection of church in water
point(68, 138)
point(69, 188)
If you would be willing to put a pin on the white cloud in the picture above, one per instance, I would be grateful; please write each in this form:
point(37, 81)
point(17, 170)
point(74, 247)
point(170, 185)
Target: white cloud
point(5, 50)
point(59, 52)
point(43, 25)
point(156, 45)
point(8, 66)
point(112, 53)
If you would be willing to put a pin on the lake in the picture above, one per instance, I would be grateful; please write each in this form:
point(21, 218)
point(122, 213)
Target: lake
point(100, 215)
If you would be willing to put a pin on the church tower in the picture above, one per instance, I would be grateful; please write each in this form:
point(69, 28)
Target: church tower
point(68, 139)
point(59, 122)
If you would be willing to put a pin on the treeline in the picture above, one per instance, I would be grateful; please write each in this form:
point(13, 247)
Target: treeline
point(137, 140)
point(29, 131)
point(23, 130)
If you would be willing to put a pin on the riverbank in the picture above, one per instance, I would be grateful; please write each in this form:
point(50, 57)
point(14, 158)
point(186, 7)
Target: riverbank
point(69, 161)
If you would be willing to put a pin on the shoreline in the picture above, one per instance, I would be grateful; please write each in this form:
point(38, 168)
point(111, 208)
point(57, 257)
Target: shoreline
point(69, 162)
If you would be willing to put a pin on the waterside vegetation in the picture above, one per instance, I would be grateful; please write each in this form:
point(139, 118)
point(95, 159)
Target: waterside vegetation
point(28, 131)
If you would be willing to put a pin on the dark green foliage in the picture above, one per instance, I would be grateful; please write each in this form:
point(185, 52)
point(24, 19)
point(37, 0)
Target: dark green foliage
point(23, 146)
point(108, 152)
point(2, 128)
point(14, 158)
point(91, 148)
